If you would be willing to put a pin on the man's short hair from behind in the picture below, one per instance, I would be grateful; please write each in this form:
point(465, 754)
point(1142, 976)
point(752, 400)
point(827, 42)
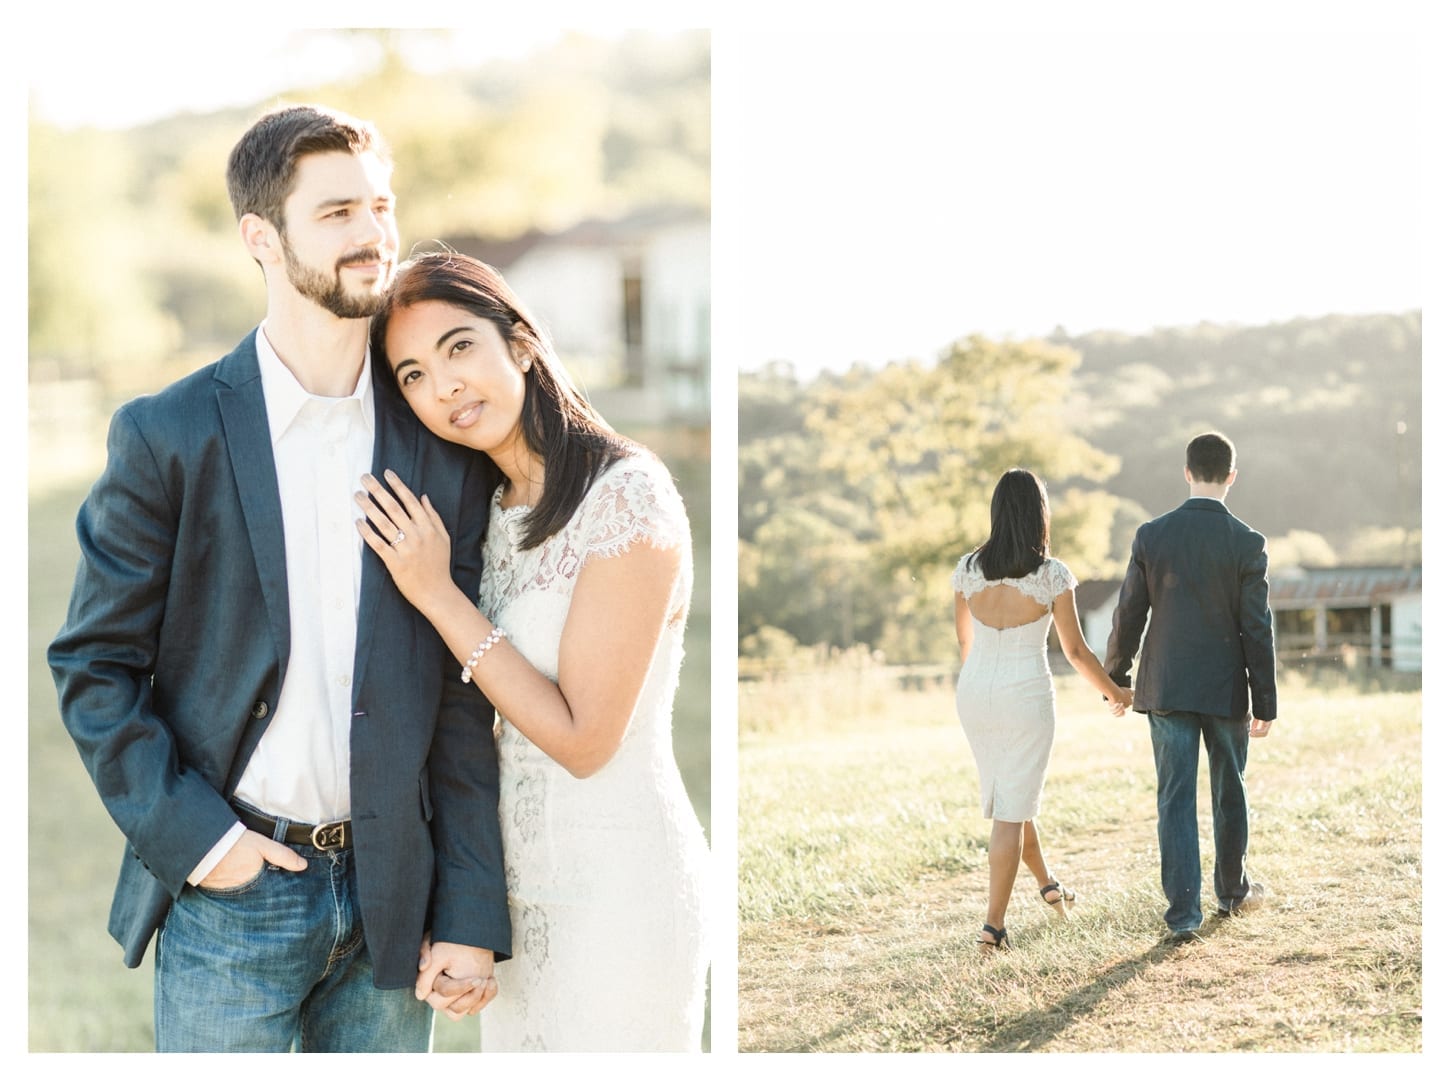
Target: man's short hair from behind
point(262, 167)
point(1211, 458)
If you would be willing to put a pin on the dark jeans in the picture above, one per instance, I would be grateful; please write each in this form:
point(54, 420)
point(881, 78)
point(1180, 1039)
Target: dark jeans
point(278, 964)
point(1175, 753)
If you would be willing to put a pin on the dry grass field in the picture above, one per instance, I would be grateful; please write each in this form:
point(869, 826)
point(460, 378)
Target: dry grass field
point(863, 880)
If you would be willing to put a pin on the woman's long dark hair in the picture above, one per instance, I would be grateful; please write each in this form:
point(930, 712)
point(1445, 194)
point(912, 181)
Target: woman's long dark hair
point(1018, 543)
point(570, 437)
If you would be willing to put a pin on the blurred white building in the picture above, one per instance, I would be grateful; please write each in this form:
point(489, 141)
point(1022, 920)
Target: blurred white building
point(627, 303)
point(1358, 616)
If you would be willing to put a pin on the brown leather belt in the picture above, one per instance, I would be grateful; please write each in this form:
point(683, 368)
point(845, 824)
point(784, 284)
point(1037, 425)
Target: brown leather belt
point(328, 837)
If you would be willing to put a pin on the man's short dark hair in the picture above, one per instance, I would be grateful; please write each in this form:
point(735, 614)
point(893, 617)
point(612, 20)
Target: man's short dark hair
point(1211, 458)
point(262, 168)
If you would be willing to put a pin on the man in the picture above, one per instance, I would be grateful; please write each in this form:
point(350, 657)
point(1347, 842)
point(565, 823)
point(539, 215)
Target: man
point(306, 787)
point(1208, 662)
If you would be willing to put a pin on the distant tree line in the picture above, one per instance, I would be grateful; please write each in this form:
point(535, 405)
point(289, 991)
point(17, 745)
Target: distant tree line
point(859, 491)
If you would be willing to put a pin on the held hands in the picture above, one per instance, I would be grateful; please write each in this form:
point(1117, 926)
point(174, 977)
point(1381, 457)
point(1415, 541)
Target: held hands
point(1120, 701)
point(409, 537)
point(454, 979)
point(244, 860)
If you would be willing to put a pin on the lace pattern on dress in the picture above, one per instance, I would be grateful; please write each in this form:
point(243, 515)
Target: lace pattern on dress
point(629, 503)
point(626, 505)
point(1042, 585)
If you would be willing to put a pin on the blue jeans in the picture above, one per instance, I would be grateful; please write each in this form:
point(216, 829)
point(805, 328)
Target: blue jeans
point(1175, 753)
point(278, 964)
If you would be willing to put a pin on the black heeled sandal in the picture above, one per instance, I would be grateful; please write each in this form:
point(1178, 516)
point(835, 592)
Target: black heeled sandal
point(999, 941)
point(1065, 898)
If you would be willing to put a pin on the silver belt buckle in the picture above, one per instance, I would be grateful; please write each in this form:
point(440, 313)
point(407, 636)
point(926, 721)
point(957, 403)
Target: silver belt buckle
point(329, 835)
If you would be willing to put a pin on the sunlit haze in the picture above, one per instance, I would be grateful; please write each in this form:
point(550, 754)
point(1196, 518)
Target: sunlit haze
point(887, 194)
point(147, 76)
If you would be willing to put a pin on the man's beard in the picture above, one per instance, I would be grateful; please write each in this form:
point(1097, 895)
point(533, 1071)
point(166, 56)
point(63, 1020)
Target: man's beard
point(328, 293)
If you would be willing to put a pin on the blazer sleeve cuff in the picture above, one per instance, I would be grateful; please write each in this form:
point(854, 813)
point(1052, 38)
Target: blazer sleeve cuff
point(484, 925)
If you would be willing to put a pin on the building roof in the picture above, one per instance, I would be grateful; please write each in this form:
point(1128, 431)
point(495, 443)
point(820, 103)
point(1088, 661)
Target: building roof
point(1298, 587)
point(1341, 587)
point(591, 233)
point(1096, 592)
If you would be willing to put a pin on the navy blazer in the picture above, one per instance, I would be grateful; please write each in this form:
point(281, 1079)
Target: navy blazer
point(1210, 641)
point(176, 640)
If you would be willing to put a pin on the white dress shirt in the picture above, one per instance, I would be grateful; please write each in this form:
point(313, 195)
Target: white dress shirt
point(322, 447)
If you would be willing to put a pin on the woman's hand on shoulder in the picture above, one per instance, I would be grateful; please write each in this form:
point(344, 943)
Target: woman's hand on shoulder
point(410, 538)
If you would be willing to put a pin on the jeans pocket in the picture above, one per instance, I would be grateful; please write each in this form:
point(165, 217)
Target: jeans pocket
point(240, 888)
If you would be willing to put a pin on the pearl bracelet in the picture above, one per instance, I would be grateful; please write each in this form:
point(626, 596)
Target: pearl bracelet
point(494, 637)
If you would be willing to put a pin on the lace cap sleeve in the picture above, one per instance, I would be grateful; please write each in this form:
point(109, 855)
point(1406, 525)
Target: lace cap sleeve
point(1059, 577)
point(634, 500)
point(966, 579)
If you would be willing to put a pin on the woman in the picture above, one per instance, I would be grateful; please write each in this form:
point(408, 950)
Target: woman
point(576, 638)
point(1007, 592)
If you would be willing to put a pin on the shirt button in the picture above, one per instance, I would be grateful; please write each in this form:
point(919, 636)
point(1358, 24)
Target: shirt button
point(343, 681)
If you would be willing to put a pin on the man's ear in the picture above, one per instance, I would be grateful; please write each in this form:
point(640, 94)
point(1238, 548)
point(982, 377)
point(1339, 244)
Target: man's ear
point(261, 239)
point(1233, 475)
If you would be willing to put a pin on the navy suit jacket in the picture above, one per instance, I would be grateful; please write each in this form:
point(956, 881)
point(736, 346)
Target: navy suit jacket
point(1210, 641)
point(176, 640)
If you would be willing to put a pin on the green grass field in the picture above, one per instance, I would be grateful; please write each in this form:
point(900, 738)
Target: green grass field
point(81, 996)
point(863, 878)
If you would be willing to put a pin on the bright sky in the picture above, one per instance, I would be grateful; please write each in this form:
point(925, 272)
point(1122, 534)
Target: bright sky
point(129, 76)
point(888, 193)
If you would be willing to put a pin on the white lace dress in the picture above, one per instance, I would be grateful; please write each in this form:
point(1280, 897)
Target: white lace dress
point(605, 874)
point(1005, 696)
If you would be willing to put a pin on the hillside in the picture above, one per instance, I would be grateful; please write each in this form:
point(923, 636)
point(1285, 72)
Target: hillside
point(1326, 414)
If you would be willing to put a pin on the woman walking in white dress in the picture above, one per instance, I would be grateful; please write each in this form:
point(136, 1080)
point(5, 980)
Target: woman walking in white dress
point(577, 639)
point(1008, 591)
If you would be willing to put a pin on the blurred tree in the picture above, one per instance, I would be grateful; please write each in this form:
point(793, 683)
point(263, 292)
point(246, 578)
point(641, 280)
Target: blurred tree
point(925, 446)
point(805, 560)
point(1299, 548)
point(812, 578)
point(91, 305)
point(859, 492)
point(1386, 545)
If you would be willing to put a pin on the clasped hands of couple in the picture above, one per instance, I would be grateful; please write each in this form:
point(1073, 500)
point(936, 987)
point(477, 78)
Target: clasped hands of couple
point(1120, 701)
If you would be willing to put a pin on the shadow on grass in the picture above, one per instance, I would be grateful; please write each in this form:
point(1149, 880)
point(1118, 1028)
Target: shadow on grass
point(1037, 1028)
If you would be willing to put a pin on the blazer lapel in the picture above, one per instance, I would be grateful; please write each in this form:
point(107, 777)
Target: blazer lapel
point(395, 447)
point(249, 444)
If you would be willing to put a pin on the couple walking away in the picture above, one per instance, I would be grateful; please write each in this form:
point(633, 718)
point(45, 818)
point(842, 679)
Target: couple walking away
point(1206, 673)
point(309, 575)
